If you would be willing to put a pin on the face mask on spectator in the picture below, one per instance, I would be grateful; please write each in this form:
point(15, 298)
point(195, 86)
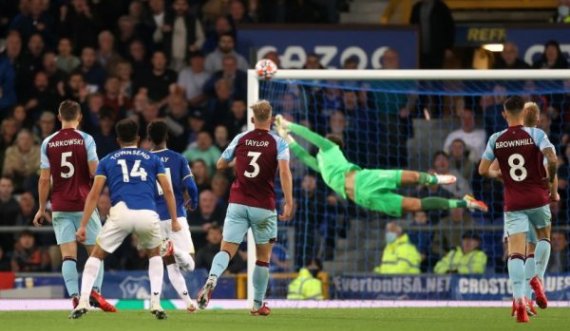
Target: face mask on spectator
point(391, 237)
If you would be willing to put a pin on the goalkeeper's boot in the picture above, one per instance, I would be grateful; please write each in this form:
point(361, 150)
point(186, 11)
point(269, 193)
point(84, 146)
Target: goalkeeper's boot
point(445, 179)
point(166, 248)
point(530, 309)
point(97, 300)
point(261, 311)
point(538, 289)
point(205, 293)
point(80, 310)
point(156, 309)
point(522, 316)
point(474, 204)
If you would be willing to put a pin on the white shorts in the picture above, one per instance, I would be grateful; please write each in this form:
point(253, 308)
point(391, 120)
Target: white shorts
point(123, 221)
point(182, 240)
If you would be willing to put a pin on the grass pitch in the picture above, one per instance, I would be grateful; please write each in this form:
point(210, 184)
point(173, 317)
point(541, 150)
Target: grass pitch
point(396, 319)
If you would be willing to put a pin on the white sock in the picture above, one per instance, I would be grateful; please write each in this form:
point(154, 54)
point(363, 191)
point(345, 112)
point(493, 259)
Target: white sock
point(185, 260)
point(88, 278)
point(155, 274)
point(178, 282)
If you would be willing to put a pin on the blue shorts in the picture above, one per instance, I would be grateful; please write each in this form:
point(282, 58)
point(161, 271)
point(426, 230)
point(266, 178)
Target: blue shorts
point(239, 218)
point(65, 224)
point(522, 220)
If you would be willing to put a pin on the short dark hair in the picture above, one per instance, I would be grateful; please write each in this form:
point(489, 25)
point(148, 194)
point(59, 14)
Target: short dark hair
point(157, 132)
point(335, 139)
point(127, 130)
point(514, 105)
point(69, 110)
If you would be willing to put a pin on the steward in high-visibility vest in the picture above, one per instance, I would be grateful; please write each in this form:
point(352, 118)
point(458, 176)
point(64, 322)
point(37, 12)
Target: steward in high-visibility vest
point(307, 286)
point(465, 260)
point(400, 256)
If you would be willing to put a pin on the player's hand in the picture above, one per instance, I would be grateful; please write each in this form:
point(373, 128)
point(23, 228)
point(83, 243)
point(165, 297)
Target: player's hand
point(176, 226)
point(191, 205)
point(41, 215)
point(554, 196)
point(287, 212)
point(80, 234)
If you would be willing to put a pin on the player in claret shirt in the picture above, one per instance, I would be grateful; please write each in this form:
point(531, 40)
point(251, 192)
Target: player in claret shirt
point(69, 159)
point(257, 156)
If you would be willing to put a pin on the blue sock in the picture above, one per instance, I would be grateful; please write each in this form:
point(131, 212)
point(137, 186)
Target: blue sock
point(542, 255)
point(220, 263)
point(529, 272)
point(98, 286)
point(70, 275)
point(516, 274)
point(260, 281)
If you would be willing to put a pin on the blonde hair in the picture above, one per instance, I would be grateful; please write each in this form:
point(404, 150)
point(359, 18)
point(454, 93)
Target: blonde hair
point(532, 114)
point(261, 110)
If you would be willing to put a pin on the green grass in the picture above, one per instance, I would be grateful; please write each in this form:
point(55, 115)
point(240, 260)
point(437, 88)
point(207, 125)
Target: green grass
point(392, 319)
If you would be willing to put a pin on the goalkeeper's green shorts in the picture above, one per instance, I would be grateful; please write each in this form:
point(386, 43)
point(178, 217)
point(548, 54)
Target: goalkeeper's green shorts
point(374, 190)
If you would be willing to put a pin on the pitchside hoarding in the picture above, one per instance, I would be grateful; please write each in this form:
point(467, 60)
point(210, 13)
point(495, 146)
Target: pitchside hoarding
point(332, 44)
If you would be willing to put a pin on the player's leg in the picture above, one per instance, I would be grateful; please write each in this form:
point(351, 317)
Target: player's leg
point(410, 204)
point(183, 246)
point(530, 269)
point(517, 227)
point(540, 219)
point(423, 178)
point(264, 228)
point(93, 229)
point(235, 228)
point(64, 230)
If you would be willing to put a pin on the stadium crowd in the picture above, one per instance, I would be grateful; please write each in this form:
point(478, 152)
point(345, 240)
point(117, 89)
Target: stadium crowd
point(177, 60)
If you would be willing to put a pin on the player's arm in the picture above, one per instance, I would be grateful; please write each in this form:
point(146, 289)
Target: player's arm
point(488, 158)
point(93, 167)
point(43, 192)
point(92, 158)
point(192, 190)
point(90, 205)
point(226, 160)
point(552, 165)
point(170, 201)
point(305, 157)
point(224, 164)
point(287, 187)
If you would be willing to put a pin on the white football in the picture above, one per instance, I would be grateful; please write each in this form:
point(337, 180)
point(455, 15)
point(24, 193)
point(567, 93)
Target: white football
point(265, 69)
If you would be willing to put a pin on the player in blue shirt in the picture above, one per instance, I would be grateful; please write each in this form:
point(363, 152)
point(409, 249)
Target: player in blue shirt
point(180, 177)
point(131, 174)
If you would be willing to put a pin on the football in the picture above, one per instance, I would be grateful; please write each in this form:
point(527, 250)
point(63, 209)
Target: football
point(265, 69)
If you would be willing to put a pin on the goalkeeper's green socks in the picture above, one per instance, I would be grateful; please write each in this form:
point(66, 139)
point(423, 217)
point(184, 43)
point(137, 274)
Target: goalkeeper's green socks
point(435, 203)
point(427, 179)
point(260, 281)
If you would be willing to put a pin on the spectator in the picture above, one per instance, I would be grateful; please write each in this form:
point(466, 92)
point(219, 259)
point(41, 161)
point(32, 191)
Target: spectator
point(279, 259)
point(237, 79)
point(197, 124)
point(21, 64)
point(42, 96)
point(204, 150)
point(450, 231)
point(22, 160)
point(238, 13)
point(27, 257)
point(27, 209)
point(66, 61)
point(124, 72)
point(560, 256)
point(176, 119)
point(221, 137)
point(47, 125)
point(225, 47)
point(236, 120)
point(222, 25)
point(206, 254)
point(307, 286)
point(201, 175)
point(400, 256)
point(552, 57)
point(493, 117)
point(7, 78)
point(208, 212)
point(79, 24)
point(9, 131)
point(4, 261)
point(219, 105)
point(21, 117)
point(114, 97)
point(459, 159)
point(437, 32)
point(105, 137)
point(93, 73)
point(465, 260)
point(150, 113)
point(182, 32)
point(563, 12)
point(33, 19)
point(220, 188)
point(127, 35)
point(49, 65)
point(509, 58)
point(193, 78)
point(91, 112)
point(107, 57)
point(138, 58)
point(9, 209)
point(313, 62)
point(154, 21)
point(158, 80)
point(35, 51)
point(475, 139)
point(441, 166)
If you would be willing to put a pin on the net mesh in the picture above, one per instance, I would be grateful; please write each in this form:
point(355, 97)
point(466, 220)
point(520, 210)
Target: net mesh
point(439, 126)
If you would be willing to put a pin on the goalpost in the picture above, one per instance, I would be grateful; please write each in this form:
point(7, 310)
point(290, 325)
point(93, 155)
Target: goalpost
point(322, 78)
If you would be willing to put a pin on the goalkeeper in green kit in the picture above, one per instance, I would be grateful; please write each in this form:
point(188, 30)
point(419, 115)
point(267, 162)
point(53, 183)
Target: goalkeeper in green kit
point(372, 189)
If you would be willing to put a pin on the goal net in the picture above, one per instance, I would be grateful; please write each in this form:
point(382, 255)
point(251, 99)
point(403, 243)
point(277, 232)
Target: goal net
point(431, 121)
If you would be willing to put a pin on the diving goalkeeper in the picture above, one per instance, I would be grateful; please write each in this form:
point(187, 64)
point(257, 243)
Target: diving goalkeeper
point(369, 188)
